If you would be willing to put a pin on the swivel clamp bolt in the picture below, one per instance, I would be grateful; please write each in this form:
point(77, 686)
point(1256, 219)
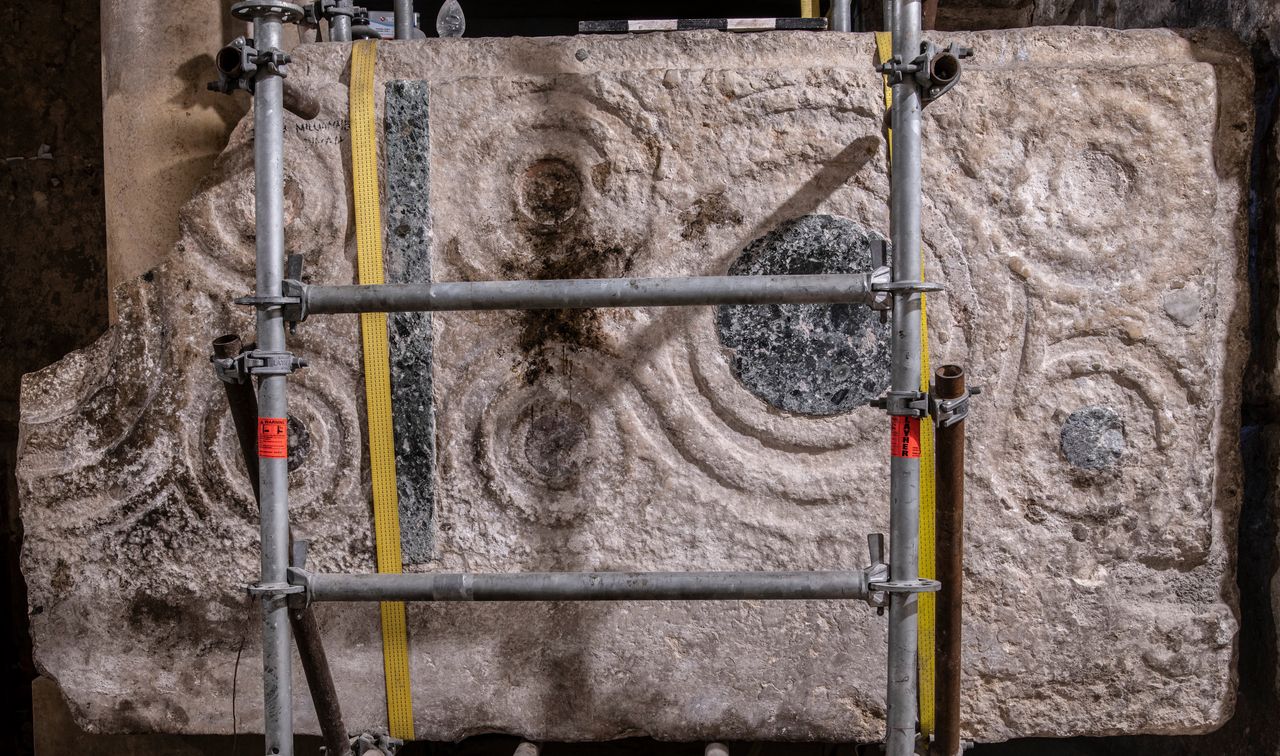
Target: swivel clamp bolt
point(247, 364)
point(948, 412)
point(895, 70)
point(238, 65)
point(903, 403)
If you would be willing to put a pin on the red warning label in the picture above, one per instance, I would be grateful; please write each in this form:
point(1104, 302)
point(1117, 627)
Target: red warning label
point(273, 437)
point(905, 437)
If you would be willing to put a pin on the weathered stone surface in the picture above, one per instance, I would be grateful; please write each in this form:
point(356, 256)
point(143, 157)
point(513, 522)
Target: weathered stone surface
point(1075, 179)
point(162, 128)
point(1255, 21)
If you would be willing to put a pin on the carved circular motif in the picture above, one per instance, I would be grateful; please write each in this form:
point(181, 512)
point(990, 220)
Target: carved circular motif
point(549, 191)
point(554, 437)
point(321, 453)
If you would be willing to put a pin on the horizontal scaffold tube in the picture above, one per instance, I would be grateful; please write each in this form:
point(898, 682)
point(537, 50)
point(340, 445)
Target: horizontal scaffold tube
point(584, 586)
point(852, 288)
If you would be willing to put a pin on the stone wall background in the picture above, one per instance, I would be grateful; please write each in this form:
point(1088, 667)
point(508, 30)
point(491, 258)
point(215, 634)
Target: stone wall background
point(54, 300)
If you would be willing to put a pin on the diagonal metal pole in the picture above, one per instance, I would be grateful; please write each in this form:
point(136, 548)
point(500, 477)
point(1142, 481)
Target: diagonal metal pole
point(243, 401)
point(904, 480)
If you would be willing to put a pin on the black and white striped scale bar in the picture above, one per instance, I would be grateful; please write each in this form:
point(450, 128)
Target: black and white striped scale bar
point(694, 24)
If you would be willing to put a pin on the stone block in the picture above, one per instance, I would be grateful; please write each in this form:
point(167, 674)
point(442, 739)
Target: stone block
point(1084, 204)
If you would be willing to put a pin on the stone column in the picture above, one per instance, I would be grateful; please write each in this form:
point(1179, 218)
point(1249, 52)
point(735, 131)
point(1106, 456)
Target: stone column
point(162, 128)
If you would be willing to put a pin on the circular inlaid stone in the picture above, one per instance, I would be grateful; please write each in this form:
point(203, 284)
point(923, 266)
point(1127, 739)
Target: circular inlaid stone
point(553, 442)
point(808, 359)
point(550, 191)
point(1092, 438)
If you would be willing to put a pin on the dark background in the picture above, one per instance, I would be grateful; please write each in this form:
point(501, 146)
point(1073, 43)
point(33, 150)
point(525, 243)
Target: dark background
point(53, 299)
point(505, 18)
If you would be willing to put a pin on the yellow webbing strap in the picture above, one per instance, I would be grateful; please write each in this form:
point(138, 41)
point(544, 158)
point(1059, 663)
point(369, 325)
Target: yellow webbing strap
point(926, 642)
point(926, 608)
point(809, 8)
point(884, 50)
point(377, 385)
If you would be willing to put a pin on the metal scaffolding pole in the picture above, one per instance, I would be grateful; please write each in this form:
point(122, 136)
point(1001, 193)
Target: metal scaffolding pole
point(904, 473)
point(273, 469)
point(949, 385)
point(403, 18)
point(584, 293)
point(897, 288)
point(243, 403)
point(585, 586)
point(340, 21)
point(841, 16)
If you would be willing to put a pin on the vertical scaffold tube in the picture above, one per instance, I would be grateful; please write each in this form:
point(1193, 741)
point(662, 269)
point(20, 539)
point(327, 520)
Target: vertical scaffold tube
point(404, 18)
point(340, 24)
point(904, 481)
point(273, 471)
point(841, 16)
point(243, 402)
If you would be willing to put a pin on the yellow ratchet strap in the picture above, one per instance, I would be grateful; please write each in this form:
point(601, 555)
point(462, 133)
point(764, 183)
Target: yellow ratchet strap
point(377, 385)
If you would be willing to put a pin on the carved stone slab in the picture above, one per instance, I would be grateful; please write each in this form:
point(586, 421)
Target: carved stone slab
point(1083, 204)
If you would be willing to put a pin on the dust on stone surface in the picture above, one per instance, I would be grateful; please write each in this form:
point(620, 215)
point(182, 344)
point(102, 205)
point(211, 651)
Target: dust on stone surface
point(708, 210)
point(549, 195)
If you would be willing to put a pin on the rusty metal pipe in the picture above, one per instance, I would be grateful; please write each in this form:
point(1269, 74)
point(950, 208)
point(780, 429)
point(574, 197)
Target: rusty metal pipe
point(949, 445)
point(301, 102)
point(944, 68)
point(243, 401)
point(244, 408)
